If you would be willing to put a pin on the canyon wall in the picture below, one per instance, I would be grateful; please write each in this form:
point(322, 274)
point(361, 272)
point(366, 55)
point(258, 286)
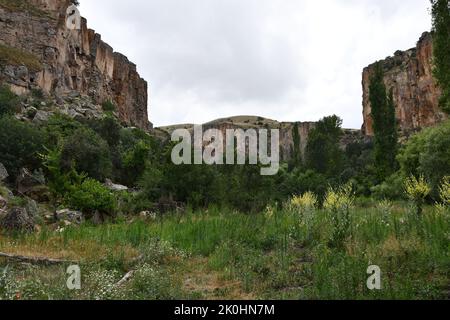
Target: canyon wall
point(61, 61)
point(416, 94)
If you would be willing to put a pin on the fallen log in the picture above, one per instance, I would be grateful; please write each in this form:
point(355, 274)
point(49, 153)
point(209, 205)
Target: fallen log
point(34, 260)
point(126, 278)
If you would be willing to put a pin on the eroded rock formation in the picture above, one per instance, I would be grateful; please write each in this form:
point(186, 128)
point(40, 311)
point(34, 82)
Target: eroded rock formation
point(43, 53)
point(416, 94)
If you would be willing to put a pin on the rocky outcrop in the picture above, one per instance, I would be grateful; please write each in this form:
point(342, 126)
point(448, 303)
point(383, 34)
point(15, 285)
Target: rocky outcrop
point(38, 51)
point(289, 140)
point(416, 94)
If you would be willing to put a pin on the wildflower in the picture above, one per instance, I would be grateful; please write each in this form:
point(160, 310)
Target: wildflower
point(304, 202)
point(444, 191)
point(417, 190)
point(341, 198)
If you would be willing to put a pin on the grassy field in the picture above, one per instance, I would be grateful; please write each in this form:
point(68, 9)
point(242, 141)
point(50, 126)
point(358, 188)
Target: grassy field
point(221, 254)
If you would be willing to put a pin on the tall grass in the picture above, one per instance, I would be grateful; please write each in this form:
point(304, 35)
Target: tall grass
point(280, 254)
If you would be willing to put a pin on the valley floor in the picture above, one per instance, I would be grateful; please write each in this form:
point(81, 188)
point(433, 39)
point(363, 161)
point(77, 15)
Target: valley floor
point(221, 254)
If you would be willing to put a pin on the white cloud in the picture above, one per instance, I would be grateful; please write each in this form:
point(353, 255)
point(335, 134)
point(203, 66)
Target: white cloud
point(291, 60)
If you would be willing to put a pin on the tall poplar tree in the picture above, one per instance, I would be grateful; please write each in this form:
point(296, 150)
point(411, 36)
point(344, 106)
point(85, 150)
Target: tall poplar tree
point(384, 124)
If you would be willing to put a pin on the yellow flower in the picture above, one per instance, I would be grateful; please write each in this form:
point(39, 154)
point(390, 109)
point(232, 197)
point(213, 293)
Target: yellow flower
point(340, 198)
point(444, 191)
point(417, 189)
point(304, 202)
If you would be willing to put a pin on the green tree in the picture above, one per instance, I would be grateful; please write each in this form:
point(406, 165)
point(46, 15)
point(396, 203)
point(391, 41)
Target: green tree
point(323, 153)
point(8, 101)
point(88, 153)
point(427, 153)
point(20, 144)
point(441, 36)
point(91, 196)
point(384, 124)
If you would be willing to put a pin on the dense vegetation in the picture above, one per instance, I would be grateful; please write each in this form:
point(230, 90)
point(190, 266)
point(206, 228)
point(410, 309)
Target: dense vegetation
point(441, 28)
point(200, 231)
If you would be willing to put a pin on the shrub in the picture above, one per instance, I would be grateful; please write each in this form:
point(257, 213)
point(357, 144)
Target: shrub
point(341, 198)
point(108, 128)
point(109, 106)
point(427, 153)
point(8, 101)
point(20, 144)
point(417, 191)
point(58, 128)
point(444, 191)
point(338, 202)
point(88, 153)
point(391, 189)
point(91, 196)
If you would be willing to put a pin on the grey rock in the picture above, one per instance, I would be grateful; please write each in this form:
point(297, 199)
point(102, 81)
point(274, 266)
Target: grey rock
point(41, 117)
point(3, 172)
point(3, 203)
point(32, 208)
point(9, 71)
point(17, 219)
point(22, 73)
point(31, 112)
point(115, 187)
point(27, 181)
point(70, 215)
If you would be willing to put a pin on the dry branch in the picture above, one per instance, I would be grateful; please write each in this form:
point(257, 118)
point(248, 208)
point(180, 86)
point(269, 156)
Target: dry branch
point(34, 260)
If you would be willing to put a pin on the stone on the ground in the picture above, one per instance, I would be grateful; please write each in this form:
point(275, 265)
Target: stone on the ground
point(17, 219)
point(26, 181)
point(71, 216)
point(3, 172)
point(3, 203)
point(115, 187)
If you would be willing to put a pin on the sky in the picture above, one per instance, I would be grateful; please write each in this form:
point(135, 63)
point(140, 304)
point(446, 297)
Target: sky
point(288, 60)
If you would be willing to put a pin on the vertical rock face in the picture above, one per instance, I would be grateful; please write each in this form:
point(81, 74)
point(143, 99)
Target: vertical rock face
point(69, 60)
point(416, 94)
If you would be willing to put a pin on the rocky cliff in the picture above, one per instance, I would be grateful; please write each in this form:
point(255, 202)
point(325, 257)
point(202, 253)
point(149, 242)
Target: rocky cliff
point(416, 95)
point(287, 131)
point(38, 51)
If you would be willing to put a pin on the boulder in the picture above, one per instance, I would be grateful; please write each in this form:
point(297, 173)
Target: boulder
point(41, 117)
point(27, 181)
point(31, 112)
point(115, 187)
point(17, 219)
point(32, 208)
point(39, 193)
point(3, 172)
point(70, 215)
point(3, 203)
point(22, 73)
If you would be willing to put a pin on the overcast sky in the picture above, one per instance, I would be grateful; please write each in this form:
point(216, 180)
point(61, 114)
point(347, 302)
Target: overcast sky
point(289, 60)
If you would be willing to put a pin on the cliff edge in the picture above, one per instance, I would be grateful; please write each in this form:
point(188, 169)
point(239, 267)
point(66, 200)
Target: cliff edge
point(416, 94)
point(38, 51)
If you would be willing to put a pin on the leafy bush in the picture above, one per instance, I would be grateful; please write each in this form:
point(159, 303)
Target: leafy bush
point(427, 153)
point(58, 128)
point(88, 153)
point(391, 189)
point(91, 196)
point(109, 106)
point(20, 144)
point(8, 101)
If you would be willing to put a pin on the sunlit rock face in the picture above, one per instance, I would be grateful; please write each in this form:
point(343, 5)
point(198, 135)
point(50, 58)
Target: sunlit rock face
point(410, 75)
point(70, 60)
